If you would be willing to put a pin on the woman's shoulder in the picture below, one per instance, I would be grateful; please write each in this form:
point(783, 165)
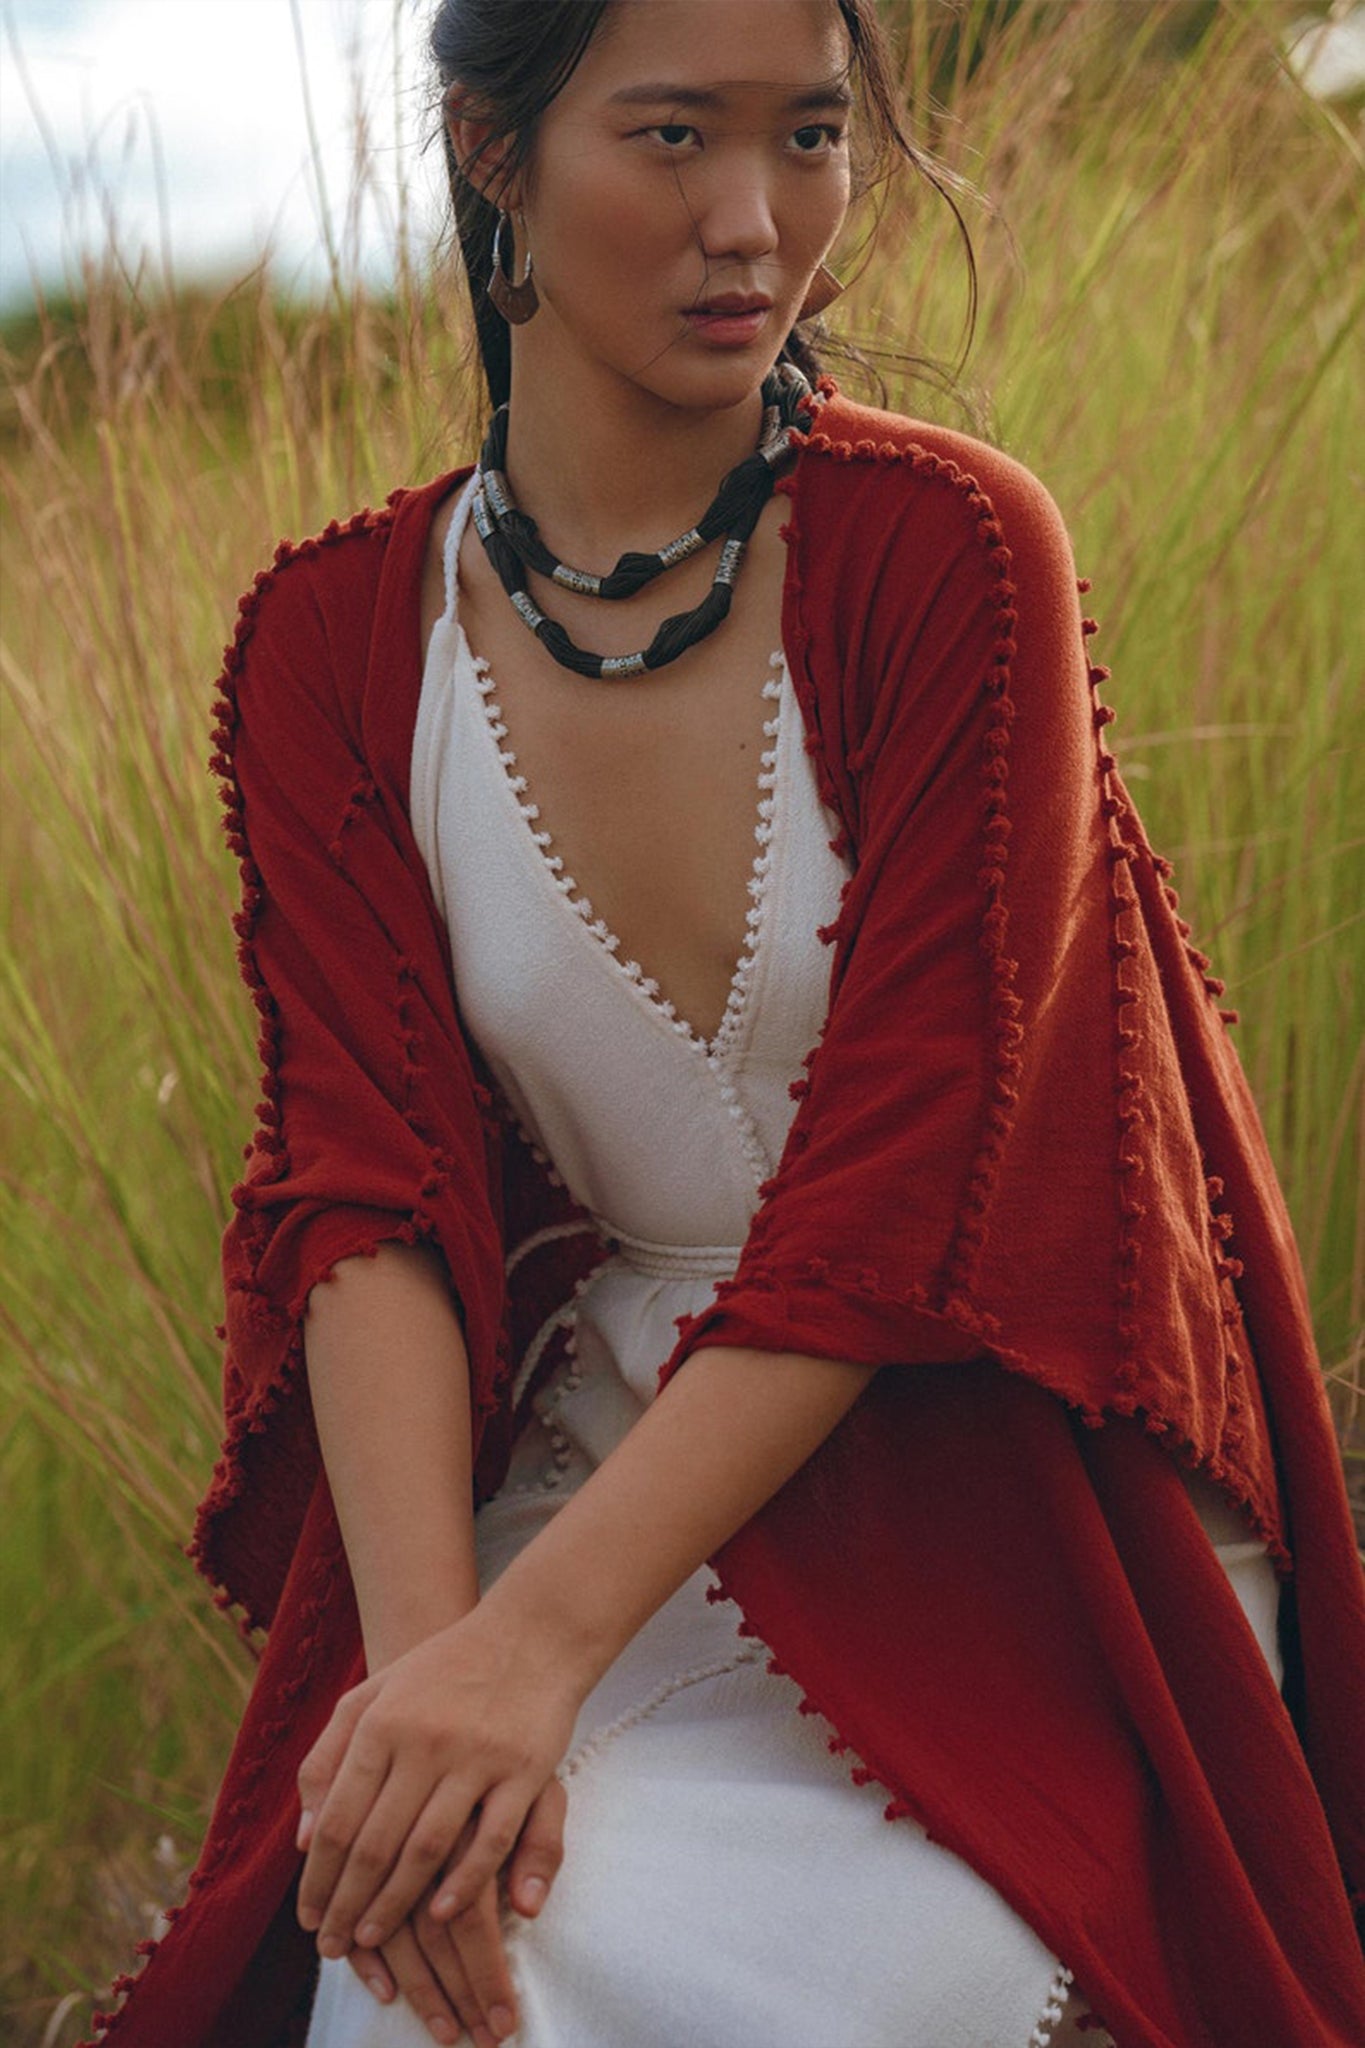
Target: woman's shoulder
point(308, 624)
point(927, 550)
point(344, 563)
point(903, 464)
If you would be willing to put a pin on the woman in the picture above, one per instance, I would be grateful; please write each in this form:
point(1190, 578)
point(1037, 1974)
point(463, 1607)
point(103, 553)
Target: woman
point(991, 1397)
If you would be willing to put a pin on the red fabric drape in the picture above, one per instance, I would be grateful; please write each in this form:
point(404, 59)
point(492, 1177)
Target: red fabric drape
point(1023, 1172)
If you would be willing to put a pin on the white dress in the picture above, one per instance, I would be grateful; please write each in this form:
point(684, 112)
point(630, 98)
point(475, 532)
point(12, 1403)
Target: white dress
point(724, 1880)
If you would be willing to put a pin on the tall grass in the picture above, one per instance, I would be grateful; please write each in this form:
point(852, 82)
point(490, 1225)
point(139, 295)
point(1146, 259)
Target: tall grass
point(1171, 300)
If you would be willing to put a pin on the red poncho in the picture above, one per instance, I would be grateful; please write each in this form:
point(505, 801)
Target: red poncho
point(1024, 1175)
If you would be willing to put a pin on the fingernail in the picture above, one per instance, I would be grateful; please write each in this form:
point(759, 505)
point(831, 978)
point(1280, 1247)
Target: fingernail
point(442, 2029)
point(501, 2021)
point(533, 1893)
point(369, 1934)
point(332, 1946)
point(444, 1904)
point(381, 1989)
point(305, 1830)
point(309, 1918)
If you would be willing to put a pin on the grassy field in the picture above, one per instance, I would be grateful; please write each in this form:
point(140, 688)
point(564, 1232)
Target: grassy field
point(1171, 304)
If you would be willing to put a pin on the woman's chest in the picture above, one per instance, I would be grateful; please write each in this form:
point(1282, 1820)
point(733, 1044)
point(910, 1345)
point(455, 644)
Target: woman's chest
point(653, 793)
point(601, 1063)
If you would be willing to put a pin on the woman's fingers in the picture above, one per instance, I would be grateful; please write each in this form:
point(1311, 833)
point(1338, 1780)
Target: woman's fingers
point(468, 1956)
point(500, 1820)
point(393, 1853)
point(355, 1842)
point(418, 1982)
point(441, 1838)
point(374, 1973)
point(540, 1851)
point(324, 1759)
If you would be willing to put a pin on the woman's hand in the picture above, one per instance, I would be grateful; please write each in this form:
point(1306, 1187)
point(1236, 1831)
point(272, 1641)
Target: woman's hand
point(468, 1727)
point(454, 1974)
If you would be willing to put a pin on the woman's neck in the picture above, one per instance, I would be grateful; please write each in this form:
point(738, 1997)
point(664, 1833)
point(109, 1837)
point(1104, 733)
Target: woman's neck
point(603, 466)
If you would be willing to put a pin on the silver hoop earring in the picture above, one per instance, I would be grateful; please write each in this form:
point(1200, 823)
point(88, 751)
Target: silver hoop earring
point(516, 301)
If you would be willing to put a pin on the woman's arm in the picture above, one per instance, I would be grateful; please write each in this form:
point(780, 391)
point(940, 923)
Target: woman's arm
point(726, 1432)
point(390, 1389)
point(477, 1718)
point(389, 1381)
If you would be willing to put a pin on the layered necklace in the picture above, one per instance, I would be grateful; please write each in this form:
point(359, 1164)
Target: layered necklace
point(513, 544)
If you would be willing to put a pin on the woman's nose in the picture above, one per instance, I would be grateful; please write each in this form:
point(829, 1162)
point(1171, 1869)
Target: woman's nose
point(739, 220)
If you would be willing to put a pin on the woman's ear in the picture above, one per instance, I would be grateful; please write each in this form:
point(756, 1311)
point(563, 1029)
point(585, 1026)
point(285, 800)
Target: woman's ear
point(481, 152)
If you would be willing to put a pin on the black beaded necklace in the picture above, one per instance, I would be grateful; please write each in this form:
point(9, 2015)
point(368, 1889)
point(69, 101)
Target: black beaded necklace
point(512, 541)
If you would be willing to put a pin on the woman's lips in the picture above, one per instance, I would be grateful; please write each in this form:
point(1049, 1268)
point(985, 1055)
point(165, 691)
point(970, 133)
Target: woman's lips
point(731, 324)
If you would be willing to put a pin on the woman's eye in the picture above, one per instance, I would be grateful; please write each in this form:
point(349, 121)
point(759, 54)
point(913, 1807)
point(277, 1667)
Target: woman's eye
point(813, 141)
point(672, 134)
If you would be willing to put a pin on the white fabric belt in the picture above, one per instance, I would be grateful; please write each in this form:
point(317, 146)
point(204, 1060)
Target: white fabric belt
point(673, 1261)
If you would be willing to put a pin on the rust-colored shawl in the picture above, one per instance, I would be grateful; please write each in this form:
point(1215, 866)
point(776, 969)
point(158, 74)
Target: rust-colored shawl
point(1023, 1172)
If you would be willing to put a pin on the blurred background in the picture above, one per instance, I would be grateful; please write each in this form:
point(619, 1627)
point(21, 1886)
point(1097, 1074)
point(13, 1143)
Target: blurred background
point(226, 315)
point(198, 138)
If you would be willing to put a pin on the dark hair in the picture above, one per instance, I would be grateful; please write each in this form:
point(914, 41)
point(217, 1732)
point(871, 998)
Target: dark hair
point(511, 57)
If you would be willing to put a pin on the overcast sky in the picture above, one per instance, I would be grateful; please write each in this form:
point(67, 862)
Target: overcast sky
point(184, 122)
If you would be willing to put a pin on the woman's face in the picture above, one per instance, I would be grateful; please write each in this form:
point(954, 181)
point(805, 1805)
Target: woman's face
point(683, 188)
